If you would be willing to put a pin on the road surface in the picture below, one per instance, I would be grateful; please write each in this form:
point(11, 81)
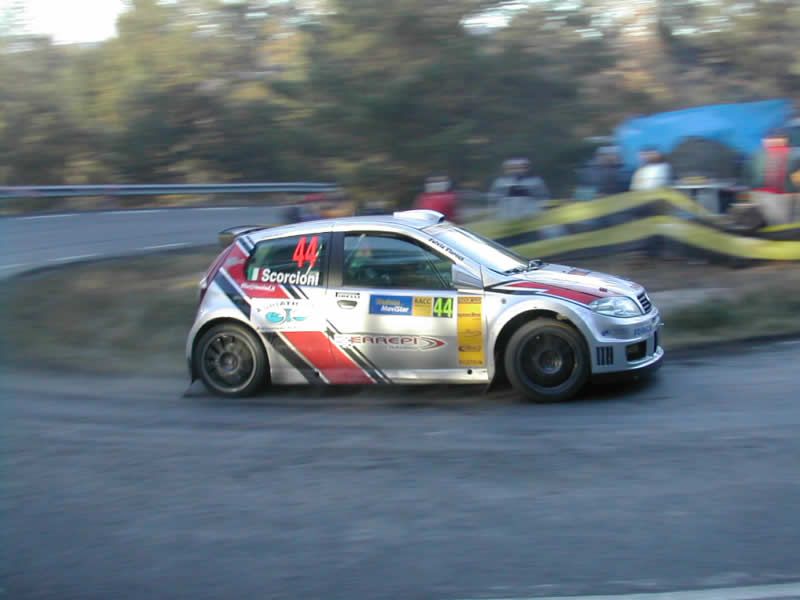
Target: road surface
point(49, 240)
point(129, 488)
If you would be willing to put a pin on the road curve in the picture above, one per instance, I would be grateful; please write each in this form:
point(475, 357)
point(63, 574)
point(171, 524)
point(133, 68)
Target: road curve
point(46, 240)
point(127, 488)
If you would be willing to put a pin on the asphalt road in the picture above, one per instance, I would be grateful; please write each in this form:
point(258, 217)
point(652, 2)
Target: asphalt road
point(47, 240)
point(127, 488)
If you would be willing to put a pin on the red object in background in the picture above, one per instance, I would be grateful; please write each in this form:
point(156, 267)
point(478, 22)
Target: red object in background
point(776, 166)
point(443, 202)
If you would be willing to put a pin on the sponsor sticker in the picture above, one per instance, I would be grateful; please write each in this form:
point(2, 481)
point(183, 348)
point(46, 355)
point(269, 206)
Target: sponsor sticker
point(284, 314)
point(391, 305)
point(446, 248)
point(393, 342)
point(470, 331)
point(348, 295)
point(423, 306)
point(259, 290)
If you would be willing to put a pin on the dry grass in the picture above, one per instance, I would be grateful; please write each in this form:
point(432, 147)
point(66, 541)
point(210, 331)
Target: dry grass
point(132, 315)
point(113, 316)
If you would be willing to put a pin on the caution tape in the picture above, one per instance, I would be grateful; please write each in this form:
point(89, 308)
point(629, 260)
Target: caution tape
point(676, 229)
point(576, 212)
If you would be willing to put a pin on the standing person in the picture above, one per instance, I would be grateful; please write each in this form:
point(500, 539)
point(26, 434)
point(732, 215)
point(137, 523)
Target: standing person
point(439, 196)
point(608, 175)
point(518, 192)
point(771, 165)
point(775, 178)
point(654, 173)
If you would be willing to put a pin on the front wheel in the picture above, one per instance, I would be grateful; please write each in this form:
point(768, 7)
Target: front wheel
point(231, 360)
point(547, 361)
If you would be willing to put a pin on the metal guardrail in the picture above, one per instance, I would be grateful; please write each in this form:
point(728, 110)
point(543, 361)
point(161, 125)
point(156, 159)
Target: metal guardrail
point(67, 191)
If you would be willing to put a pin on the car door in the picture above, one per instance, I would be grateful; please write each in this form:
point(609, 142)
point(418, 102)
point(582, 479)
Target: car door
point(285, 279)
point(393, 310)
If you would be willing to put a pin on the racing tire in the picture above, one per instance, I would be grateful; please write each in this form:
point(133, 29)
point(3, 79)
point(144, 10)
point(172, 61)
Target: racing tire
point(231, 361)
point(547, 361)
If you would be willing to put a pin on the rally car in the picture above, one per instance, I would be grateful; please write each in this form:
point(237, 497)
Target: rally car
point(410, 298)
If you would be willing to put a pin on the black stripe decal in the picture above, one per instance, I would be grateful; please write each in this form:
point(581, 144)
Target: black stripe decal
point(360, 359)
point(298, 292)
point(290, 289)
point(238, 300)
point(287, 352)
point(247, 242)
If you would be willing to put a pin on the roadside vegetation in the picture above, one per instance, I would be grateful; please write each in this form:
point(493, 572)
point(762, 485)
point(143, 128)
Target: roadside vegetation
point(132, 315)
point(373, 95)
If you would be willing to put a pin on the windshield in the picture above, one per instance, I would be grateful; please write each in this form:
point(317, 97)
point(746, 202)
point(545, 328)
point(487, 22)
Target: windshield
point(480, 249)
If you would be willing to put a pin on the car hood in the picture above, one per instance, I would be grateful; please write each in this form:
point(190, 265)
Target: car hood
point(587, 283)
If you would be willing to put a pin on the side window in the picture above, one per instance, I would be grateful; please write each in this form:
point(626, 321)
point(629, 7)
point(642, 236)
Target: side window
point(297, 259)
point(385, 261)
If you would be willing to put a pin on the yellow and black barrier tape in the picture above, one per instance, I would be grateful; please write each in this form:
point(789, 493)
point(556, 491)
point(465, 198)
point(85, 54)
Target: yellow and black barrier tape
point(576, 212)
point(676, 229)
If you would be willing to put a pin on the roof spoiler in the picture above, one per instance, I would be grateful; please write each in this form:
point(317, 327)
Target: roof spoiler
point(421, 216)
point(227, 236)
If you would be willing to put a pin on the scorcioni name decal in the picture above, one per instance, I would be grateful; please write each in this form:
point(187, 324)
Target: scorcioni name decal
point(269, 276)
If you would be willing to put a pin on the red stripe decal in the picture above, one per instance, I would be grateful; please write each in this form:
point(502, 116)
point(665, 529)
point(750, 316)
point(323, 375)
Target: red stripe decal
point(581, 297)
point(334, 364)
point(235, 262)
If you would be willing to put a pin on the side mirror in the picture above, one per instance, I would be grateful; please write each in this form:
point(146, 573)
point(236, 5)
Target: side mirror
point(464, 279)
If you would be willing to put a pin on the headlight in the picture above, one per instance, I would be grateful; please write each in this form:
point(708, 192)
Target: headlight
point(616, 306)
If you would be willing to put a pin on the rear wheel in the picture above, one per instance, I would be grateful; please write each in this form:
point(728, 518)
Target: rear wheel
point(231, 360)
point(547, 361)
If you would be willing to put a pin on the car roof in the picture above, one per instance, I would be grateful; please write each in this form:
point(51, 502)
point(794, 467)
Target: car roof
point(415, 219)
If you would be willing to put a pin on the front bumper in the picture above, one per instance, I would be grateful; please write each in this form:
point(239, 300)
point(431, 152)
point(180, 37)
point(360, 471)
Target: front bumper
point(644, 368)
point(626, 346)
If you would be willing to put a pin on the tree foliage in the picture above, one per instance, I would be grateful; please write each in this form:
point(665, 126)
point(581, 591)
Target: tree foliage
point(375, 95)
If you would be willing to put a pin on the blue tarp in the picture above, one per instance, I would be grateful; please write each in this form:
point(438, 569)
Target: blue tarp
point(739, 126)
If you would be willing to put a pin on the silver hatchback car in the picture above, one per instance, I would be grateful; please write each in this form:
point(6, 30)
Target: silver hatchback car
point(410, 298)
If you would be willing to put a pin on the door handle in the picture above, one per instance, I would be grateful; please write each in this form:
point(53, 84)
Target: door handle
point(346, 303)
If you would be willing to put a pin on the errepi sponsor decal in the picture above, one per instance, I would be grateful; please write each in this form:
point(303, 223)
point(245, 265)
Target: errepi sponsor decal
point(391, 305)
point(393, 342)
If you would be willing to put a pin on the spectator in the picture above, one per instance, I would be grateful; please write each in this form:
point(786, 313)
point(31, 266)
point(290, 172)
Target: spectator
point(654, 173)
point(775, 178)
point(517, 192)
point(439, 196)
point(770, 169)
point(607, 173)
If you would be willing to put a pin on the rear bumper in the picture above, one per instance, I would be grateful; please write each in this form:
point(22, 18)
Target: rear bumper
point(640, 370)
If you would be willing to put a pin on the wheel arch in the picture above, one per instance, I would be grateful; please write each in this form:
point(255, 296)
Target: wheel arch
point(515, 322)
point(220, 321)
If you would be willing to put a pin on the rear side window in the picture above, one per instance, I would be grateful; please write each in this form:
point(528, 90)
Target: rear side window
point(295, 260)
